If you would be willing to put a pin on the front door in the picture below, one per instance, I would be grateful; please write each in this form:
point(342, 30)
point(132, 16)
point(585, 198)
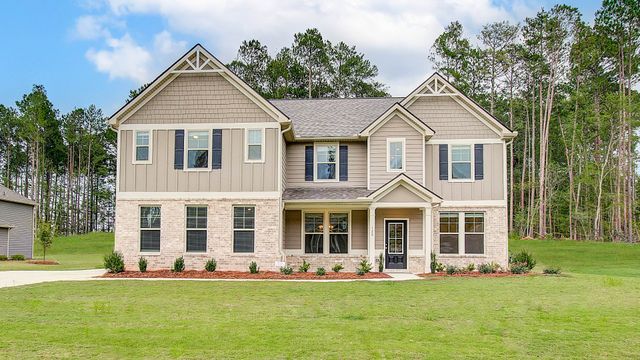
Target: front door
point(395, 244)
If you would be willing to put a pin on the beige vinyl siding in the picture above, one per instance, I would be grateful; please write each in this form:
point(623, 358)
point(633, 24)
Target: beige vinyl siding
point(284, 164)
point(235, 175)
point(20, 217)
point(357, 166)
point(414, 147)
point(399, 195)
point(4, 238)
point(449, 119)
point(293, 229)
point(415, 226)
point(489, 188)
point(359, 236)
point(201, 98)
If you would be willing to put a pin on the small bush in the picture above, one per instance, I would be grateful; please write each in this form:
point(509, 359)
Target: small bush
point(114, 262)
point(286, 270)
point(337, 267)
point(253, 267)
point(523, 257)
point(211, 265)
point(554, 270)
point(178, 265)
point(360, 272)
point(381, 262)
point(142, 264)
point(365, 265)
point(486, 269)
point(440, 267)
point(495, 267)
point(17, 257)
point(3, 258)
point(321, 271)
point(470, 267)
point(304, 267)
point(434, 263)
point(519, 268)
point(451, 269)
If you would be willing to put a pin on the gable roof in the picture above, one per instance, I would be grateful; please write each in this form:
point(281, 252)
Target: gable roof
point(404, 114)
point(196, 60)
point(314, 118)
point(11, 196)
point(410, 184)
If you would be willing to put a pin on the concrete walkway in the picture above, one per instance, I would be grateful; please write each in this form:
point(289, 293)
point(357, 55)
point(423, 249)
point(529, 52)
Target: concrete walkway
point(17, 278)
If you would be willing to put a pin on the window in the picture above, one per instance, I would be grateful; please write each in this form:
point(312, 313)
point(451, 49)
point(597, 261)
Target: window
point(326, 161)
point(449, 233)
point(474, 233)
point(313, 233)
point(142, 148)
point(461, 162)
point(339, 233)
point(255, 144)
point(198, 150)
point(395, 154)
point(196, 228)
point(149, 228)
point(244, 219)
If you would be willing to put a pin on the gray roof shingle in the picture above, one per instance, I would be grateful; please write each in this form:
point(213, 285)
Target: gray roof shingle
point(9, 195)
point(333, 117)
point(325, 193)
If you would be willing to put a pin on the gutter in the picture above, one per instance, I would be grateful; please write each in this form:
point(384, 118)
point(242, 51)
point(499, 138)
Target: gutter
point(283, 257)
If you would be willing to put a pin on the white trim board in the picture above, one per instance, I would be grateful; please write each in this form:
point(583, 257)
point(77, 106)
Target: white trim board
point(196, 126)
point(253, 195)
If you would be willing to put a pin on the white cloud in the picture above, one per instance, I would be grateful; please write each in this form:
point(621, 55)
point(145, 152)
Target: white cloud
point(165, 45)
point(123, 59)
point(90, 27)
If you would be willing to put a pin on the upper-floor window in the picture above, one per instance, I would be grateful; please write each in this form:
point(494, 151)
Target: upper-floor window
point(395, 154)
point(461, 162)
point(142, 148)
point(326, 161)
point(198, 149)
point(255, 145)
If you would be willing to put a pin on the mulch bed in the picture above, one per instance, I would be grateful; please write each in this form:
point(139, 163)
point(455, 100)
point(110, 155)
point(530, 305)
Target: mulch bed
point(471, 274)
point(262, 275)
point(43, 262)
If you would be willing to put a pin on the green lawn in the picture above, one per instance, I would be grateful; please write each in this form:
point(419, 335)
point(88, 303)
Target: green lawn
point(72, 252)
point(578, 315)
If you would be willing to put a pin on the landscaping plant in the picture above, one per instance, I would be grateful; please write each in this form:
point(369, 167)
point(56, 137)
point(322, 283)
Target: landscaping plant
point(178, 265)
point(286, 270)
point(114, 262)
point(320, 271)
point(486, 269)
point(523, 257)
point(518, 268)
point(554, 270)
point(304, 267)
point(380, 262)
point(360, 272)
point(142, 264)
point(337, 267)
point(253, 267)
point(17, 257)
point(44, 235)
point(452, 269)
point(3, 258)
point(211, 265)
point(365, 266)
point(470, 267)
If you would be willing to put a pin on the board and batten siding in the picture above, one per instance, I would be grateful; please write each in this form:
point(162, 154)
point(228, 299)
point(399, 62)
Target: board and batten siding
point(357, 165)
point(414, 147)
point(414, 235)
point(449, 119)
point(293, 229)
point(20, 217)
point(199, 98)
point(491, 187)
point(235, 175)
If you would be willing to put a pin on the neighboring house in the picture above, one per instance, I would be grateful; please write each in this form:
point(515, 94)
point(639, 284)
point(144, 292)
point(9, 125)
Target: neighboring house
point(208, 168)
point(16, 223)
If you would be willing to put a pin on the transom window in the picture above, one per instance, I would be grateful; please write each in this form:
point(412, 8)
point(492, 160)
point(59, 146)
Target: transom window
point(461, 162)
point(244, 220)
point(326, 161)
point(474, 233)
point(150, 228)
point(313, 233)
point(338, 233)
point(395, 154)
point(255, 144)
point(196, 228)
point(449, 230)
point(143, 146)
point(198, 149)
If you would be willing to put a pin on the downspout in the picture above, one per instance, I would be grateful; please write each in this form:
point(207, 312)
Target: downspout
point(283, 257)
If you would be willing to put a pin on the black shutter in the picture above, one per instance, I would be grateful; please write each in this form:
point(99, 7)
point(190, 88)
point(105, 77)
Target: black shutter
point(216, 149)
point(344, 162)
point(178, 153)
point(308, 163)
point(479, 161)
point(444, 162)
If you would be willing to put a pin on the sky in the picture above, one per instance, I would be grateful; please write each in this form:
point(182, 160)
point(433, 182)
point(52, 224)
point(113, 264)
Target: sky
point(94, 51)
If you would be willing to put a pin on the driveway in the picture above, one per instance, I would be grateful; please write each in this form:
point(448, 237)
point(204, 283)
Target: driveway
point(17, 278)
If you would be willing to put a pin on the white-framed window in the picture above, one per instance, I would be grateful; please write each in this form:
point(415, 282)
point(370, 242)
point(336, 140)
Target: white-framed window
point(466, 239)
point(449, 232)
point(150, 219)
point(142, 146)
point(254, 140)
point(339, 233)
point(461, 164)
point(395, 154)
point(474, 233)
point(326, 162)
point(314, 233)
point(197, 154)
point(244, 223)
point(196, 228)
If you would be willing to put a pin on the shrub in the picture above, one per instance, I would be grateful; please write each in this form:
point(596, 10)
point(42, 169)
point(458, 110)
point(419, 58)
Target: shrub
point(114, 262)
point(381, 262)
point(178, 265)
point(3, 258)
point(253, 267)
point(470, 267)
point(17, 257)
point(321, 271)
point(286, 270)
point(434, 263)
point(142, 264)
point(486, 269)
point(337, 267)
point(439, 267)
point(359, 271)
point(451, 269)
point(523, 257)
point(365, 265)
point(495, 267)
point(211, 265)
point(519, 268)
point(554, 270)
point(304, 267)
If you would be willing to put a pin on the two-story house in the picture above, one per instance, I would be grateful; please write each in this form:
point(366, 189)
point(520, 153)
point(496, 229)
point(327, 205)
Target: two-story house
point(207, 168)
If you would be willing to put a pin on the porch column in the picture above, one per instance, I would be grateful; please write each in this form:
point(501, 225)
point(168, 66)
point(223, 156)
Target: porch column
point(372, 235)
point(427, 232)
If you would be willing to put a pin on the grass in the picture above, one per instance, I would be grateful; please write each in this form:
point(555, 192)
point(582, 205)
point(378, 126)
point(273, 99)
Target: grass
point(72, 252)
point(581, 314)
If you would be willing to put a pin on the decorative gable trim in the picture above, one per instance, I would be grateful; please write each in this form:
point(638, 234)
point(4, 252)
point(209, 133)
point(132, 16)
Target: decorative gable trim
point(196, 61)
point(410, 184)
point(402, 113)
